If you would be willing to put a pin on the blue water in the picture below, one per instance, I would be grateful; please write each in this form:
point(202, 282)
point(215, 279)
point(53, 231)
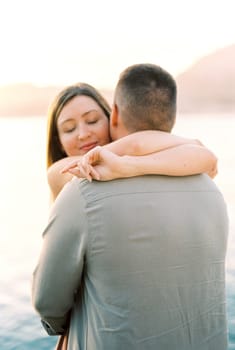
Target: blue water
point(24, 207)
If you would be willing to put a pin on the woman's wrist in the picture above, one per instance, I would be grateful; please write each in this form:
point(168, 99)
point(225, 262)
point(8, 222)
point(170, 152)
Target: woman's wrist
point(132, 166)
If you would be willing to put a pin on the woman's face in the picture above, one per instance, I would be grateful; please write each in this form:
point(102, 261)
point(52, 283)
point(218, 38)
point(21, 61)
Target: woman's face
point(82, 125)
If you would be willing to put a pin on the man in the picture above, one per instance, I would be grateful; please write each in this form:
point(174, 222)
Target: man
point(139, 262)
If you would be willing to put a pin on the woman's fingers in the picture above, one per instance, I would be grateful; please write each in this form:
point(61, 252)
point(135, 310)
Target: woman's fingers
point(84, 167)
point(70, 166)
point(94, 174)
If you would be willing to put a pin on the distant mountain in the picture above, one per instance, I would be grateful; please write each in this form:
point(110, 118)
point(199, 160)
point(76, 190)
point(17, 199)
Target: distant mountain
point(209, 85)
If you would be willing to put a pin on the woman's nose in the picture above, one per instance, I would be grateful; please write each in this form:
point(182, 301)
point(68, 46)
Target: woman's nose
point(83, 132)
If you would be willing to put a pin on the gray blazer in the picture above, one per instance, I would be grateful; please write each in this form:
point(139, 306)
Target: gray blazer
point(140, 263)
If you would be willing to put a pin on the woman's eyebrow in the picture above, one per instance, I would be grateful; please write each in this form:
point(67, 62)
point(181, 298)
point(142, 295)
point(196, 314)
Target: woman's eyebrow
point(90, 111)
point(65, 121)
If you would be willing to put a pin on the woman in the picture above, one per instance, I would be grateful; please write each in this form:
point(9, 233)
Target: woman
point(78, 121)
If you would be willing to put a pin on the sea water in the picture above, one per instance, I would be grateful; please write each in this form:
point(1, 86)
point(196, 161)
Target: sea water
point(24, 208)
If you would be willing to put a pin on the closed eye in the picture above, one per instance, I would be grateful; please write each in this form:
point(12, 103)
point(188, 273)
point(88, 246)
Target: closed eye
point(69, 130)
point(92, 121)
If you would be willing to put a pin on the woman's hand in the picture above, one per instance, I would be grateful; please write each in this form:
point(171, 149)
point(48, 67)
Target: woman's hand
point(98, 164)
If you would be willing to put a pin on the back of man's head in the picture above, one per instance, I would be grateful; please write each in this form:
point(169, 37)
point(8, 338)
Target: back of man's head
point(146, 98)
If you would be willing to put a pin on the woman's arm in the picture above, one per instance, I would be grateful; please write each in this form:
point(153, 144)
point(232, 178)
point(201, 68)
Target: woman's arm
point(139, 143)
point(182, 160)
point(56, 180)
point(136, 144)
point(146, 142)
point(103, 165)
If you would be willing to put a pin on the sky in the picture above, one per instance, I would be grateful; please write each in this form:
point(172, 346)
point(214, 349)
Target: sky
point(60, 42)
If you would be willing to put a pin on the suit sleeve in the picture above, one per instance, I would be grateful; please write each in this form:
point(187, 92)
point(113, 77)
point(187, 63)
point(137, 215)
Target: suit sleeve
point(57, 276)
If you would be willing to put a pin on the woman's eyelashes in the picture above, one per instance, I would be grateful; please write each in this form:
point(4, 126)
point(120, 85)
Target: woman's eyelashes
point(69, 128)
point(92, 121)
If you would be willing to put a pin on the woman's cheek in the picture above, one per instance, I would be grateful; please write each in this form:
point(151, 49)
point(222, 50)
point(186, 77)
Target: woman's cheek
point(69, 145)
point(105, 133)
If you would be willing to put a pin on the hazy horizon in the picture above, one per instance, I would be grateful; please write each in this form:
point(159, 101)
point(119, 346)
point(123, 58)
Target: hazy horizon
point(55, 43)
point(27, 83)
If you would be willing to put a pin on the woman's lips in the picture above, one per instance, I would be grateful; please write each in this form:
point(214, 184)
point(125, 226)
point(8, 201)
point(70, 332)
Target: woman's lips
point(89, 146)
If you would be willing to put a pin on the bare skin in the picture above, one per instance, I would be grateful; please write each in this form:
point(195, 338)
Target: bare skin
point(179, 158)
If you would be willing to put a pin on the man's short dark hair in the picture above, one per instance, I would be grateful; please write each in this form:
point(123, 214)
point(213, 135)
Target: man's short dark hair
point(146, 98)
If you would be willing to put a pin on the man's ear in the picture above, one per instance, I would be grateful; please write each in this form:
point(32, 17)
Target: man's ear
point(114, 116)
